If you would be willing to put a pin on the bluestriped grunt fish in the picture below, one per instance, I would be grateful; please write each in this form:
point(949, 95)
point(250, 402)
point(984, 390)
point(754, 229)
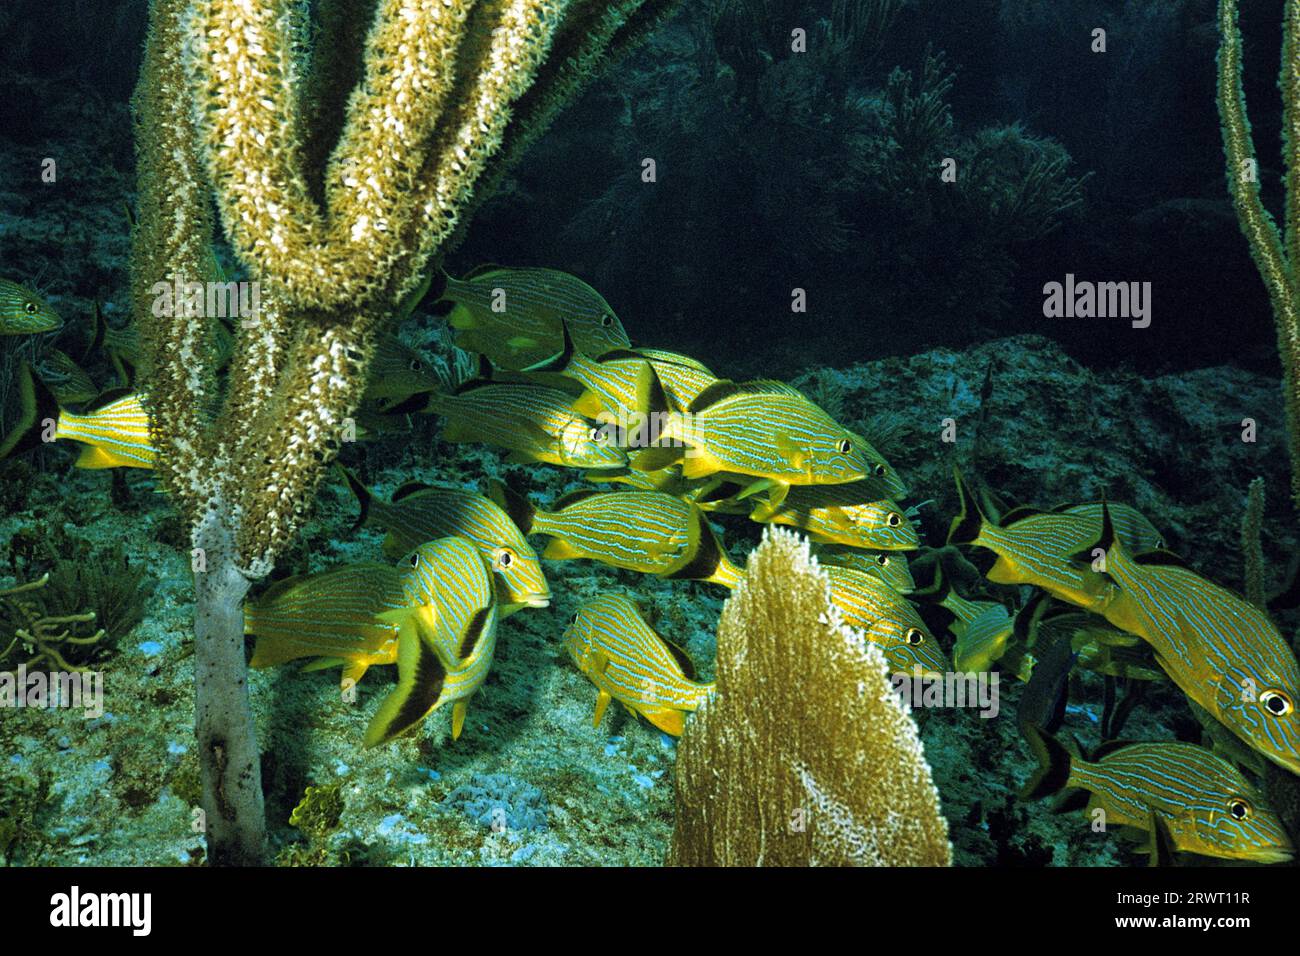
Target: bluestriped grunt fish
point(777, 437)
point(513, 315)
point(67, 380)
point(1222, 651)
point(24, 312)
point(534, 422)
point(888, 620)
point(890, 567)
point(682, 377)
point(615, 385)
point(1132, 527)
point(397, 372)
point(842, 514)
point(419, 513)
point(1206, 804)
point(983, 629)
point(446, 637)
point(114, 428)
point(646, 531)
point(332, 614)
point(1032, 547)
point(631, 663)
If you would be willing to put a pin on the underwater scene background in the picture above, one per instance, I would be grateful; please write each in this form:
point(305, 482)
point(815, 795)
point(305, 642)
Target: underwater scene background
point(867, 200)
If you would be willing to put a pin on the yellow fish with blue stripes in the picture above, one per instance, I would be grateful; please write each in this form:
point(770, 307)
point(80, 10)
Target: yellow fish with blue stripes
point(24, 312)
point(513, 315)
point(1222, 651)
point(1205, 803)
point(333, 615)
point(114, 429)
point(890, 567)
point(534, 422)
point(842, 514)
point(631, 663)
point(888, 620)
point(446, 637)
point(419, 513)
point(646, 531)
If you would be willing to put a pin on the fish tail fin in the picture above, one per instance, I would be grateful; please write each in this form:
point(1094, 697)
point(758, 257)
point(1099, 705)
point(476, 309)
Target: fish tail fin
point(517, 508)
point(98, 329)
point(560, 362)
point(37, 405)
point(937, 591)
point(1054, 763)
point(966, 527)
point(362, 493)
point(421, 676)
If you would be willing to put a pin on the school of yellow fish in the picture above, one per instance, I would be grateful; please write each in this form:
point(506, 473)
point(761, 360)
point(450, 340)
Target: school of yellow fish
point(665, 448)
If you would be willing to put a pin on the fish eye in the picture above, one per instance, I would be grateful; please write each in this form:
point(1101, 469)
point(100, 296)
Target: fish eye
point(416, 365)
point(29, 308)
point(915, 636)
point(606, 320)
point(894, 519)
point(845, 446)
point(415, 559)
point(879, 470)
point(1239, 808)
point(1276, 703)
point(882, 559)
point(505, 558)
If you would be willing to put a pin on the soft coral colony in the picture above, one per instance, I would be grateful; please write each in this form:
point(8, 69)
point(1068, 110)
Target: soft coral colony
point(341, 170)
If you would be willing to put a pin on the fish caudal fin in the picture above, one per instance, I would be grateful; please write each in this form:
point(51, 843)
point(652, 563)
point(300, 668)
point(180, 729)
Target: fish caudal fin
point(966, 527)
point(37, 407)
point(1106, 542)
point(362, 494)
point(420, 679)
point(1053, 773)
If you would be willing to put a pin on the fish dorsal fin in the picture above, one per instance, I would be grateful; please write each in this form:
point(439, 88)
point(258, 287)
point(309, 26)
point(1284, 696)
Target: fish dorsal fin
point(517, 507)
point(679, 655)
point(562, 359)
point(1161, 558)
point(1019, 513)
point(107, 397)
point(479, 271)
point(409, 488)
point(725, 388)
point(476, 382)
point(573, 497)
point(656, 397)
point(1108, 747)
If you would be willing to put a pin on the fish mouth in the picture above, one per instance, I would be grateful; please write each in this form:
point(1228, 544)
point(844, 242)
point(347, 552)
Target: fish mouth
point(536, 600)
point(1273, 854)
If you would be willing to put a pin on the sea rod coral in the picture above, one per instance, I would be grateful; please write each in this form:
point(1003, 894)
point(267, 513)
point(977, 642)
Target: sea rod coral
point(337, 189)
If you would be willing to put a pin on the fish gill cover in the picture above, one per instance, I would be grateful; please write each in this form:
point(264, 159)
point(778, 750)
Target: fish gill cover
point(976, 311)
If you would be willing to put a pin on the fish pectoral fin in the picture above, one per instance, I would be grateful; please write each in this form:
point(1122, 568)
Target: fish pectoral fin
point(696, 463)
point(602, 702)
point(92, 456)
point(669, 721)
point(557, 549)
point(352, 673)
point(457, 719)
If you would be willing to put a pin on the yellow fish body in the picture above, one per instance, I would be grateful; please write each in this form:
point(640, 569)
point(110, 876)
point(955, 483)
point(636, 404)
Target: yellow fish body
point(631, 663)
point(420, 513)
point(888, 620)
point(889, 567)
point(534, 422)
point(446, 638)
point(1206, 804)
point(24, 312)
point(513, 315)
point(332, 614)
point(775, 435)
point(1222, 651)
point(114, 429)
point(842, 514)
point(646, 531)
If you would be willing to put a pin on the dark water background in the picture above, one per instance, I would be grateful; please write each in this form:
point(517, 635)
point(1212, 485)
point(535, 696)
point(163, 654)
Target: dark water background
point(777, 171)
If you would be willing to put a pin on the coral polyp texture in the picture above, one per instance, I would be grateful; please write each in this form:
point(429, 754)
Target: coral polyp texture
point(769, 774)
